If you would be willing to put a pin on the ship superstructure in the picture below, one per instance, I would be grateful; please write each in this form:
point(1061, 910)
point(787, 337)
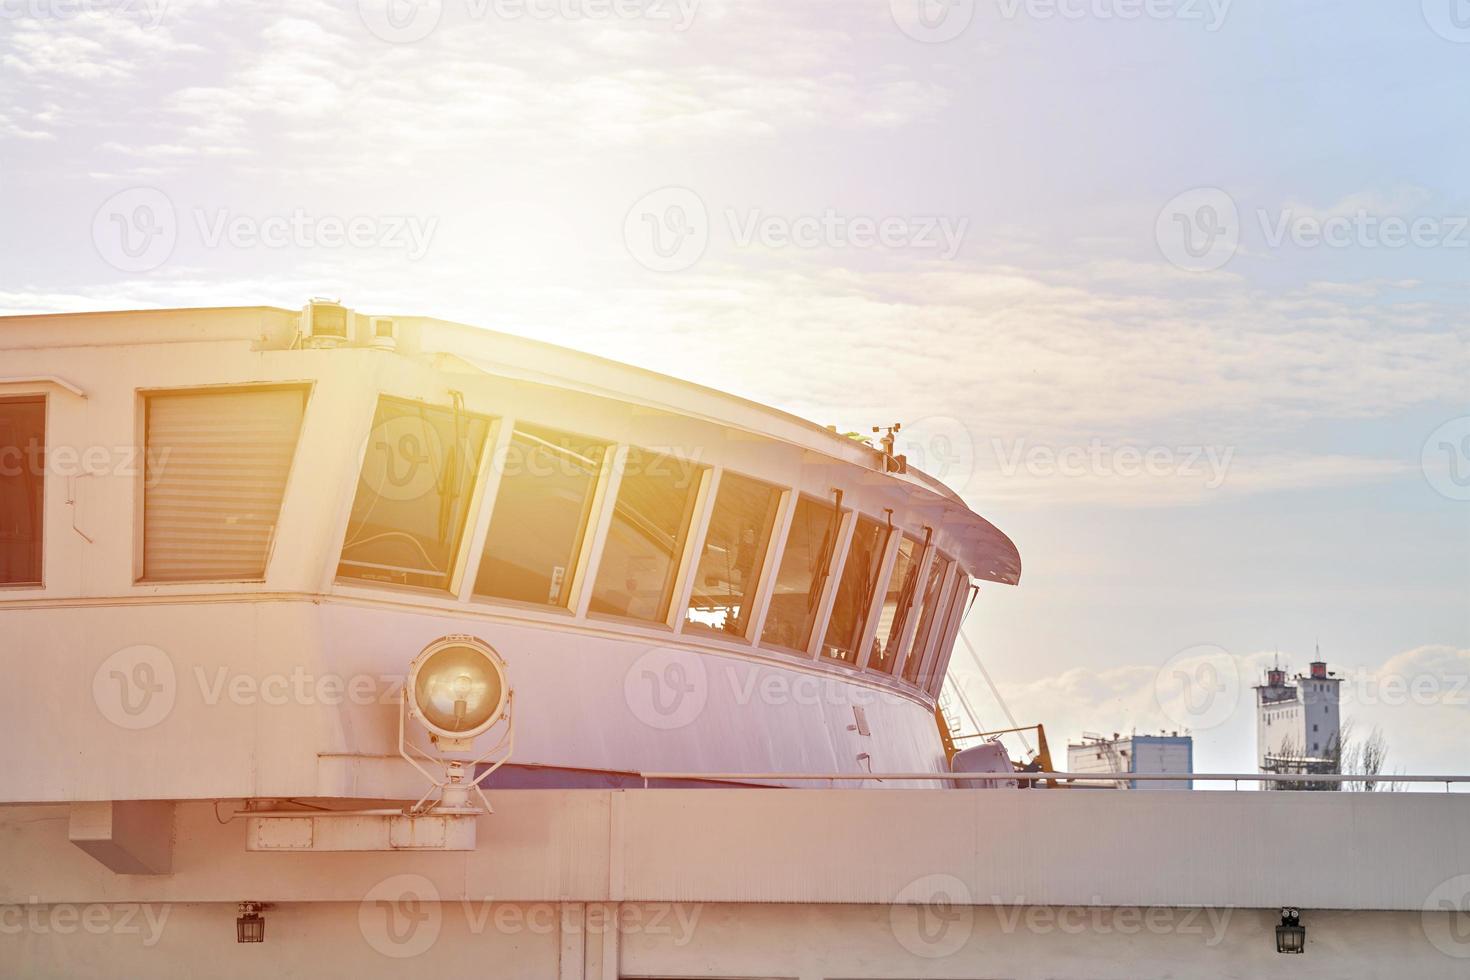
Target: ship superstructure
point(340, 644)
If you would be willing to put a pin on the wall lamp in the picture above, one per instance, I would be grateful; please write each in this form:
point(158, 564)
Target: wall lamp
point(1291, 935)
point(250, 925)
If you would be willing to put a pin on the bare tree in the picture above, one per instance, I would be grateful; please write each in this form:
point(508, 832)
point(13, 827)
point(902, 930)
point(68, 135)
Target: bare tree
point(1367, 757)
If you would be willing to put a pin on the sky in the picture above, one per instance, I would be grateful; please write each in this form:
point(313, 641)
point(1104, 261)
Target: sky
point(1171, 291)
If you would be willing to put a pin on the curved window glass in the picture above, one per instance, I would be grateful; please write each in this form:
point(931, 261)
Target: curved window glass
point(931, 604)
point(938, 666)
point(412, 495)
point(735, 545)
point(898, 600)
point(802, 577)
point(540, 516)
point(855, 591)
point(645, 541)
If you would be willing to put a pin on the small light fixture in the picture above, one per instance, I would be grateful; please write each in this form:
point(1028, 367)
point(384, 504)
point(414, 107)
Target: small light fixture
point(1291, 935)
point(250, 926)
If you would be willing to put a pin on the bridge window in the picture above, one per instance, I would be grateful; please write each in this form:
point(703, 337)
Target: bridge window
point(898, 600)
point(215, 465)
point(938, 666)
point(22, 485)
point(734, 551)
point(930, 606)
point(645, 541)
point(413, 494)
point(855, 591)
point(540, 517)
point(805, 565)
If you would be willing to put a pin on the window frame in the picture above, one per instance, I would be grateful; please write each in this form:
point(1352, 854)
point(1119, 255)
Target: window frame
point(923, 646)
point(939, 667)
point(459, 556)
point(140, 478)
point(841, 535)
point(493, 478)
point(43, 518)
point(896, 536)
point(683, 562)
point(757, 598)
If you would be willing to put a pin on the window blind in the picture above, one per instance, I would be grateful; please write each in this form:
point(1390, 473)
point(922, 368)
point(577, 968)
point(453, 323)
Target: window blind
point(215, 468)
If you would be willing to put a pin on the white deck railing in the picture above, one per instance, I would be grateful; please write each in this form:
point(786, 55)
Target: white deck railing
point(1063, 777)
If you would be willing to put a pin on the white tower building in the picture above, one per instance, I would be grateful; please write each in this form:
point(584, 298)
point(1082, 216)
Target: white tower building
point(1298, 723)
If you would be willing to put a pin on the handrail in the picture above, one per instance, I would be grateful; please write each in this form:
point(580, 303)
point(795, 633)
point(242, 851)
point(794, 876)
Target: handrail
point(1071, 777)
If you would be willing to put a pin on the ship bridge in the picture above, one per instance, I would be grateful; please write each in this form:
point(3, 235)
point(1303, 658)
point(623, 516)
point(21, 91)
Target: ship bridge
point(230, 530)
